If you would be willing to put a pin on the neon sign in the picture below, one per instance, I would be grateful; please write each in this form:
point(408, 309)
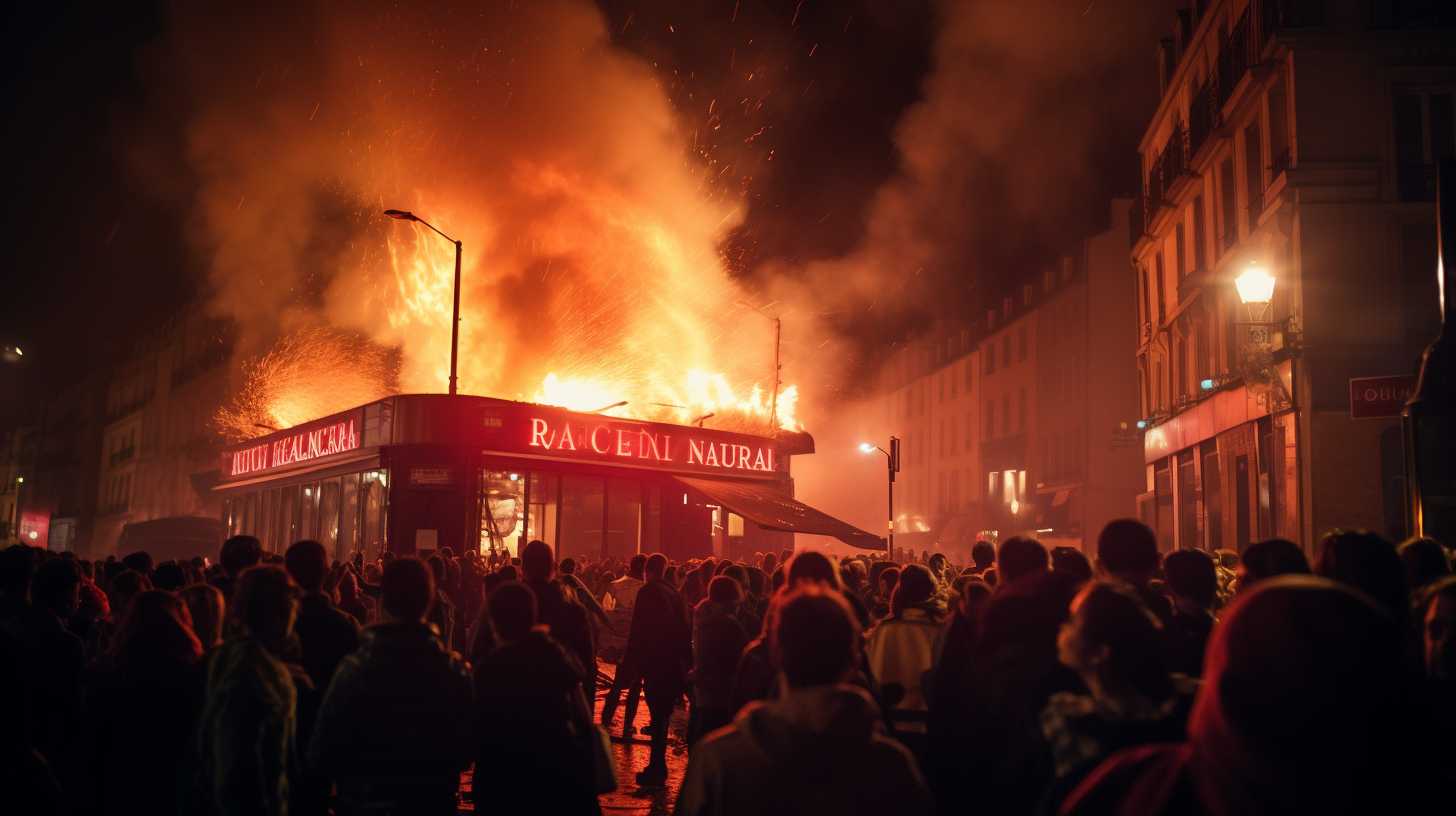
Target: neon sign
point(306, 445)
point(650, 445)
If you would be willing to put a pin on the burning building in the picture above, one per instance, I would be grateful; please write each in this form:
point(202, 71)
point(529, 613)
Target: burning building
point(416, 473)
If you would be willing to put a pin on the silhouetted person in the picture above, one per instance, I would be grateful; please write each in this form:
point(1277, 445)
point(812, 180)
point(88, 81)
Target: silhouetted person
point(1267, 559)
point(1367, 562)
point(1127, 550)
point(659, 645)
point(557, 609)
point(1020, 556)
point(247, 756)
point(1071, 562)
point(1114, 644)
point(718, 641)
point(953, 672)
point(325, 633)
point(393, 731)
point(1192, 579)
point(820, 747)
point(983, 556)
point(141, 709)
point(901, 650)
point(1303, 709)
point(532, 719)
point(238, 553)
point(206, 608)
point(1425, 562)
point(1437, 615)
point(28, 782)
point(55, 656)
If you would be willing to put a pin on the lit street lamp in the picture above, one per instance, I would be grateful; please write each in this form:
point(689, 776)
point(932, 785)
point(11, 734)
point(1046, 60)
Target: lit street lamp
point(892, 466)
point(406, 215)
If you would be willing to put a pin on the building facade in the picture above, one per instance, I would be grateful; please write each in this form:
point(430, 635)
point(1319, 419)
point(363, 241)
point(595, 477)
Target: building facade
point(1023, 421)
point(1294, 138)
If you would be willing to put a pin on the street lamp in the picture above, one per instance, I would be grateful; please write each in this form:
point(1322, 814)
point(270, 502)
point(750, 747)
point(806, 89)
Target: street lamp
point(892, 466)
point(406, 215)
point(1255, 286)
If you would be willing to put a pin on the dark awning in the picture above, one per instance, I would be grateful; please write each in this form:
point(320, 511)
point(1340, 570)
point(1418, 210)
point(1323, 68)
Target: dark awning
point(773, 510)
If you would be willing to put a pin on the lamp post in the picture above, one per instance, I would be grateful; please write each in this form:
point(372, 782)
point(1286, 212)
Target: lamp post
point(1429, 419)
point(892, 466)
point(1255, 286)
point(406, 215)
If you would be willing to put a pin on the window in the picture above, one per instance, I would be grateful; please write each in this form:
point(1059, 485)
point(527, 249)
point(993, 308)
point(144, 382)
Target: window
point(1179, 250)
point(1200, 236)
point(1005, 414)
point(942, 378)
point(1229, 226)
point(1162, 303)
point(1021, 410)
point(1279, 156)
point(1253, 174)
point(582, 515)
point(950, 374)
point(970, 430)
point(1425, 133)
point(970, 372)
point(1026, 292)
point(1147, 310)
point(1006, 350)
point(988, 359)
point(990, 419)
point(1021, 345)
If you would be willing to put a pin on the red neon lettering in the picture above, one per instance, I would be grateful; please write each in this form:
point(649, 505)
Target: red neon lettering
point(538, 434)
point(743, 457)
point(624, 444)
point(595, 446)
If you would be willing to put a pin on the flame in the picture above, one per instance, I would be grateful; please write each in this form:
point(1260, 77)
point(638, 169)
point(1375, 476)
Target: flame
point(703, 396)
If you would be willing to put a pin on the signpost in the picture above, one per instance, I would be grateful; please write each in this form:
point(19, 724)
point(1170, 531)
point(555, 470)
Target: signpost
point(1380, 397)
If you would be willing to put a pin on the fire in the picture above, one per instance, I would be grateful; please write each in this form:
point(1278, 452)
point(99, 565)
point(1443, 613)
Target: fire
point(702, 396)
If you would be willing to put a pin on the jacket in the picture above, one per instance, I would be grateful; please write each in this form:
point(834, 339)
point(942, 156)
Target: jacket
point(817, 750)
point(326, 634)
point(901, 650)
point(660, 643)
point(398, 709)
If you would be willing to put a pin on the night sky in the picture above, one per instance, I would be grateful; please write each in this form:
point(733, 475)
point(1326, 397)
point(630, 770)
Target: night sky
point(799, 99)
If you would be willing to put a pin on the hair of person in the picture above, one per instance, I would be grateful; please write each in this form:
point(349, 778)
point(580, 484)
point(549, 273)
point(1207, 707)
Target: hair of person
point(991, 577)
point(1191, 574)
point(308, 562)
point(157, 626)
point(722, 567)
point(1021, 555)
point(537, 562)
point(757, 581)
point(767, 562)
point(1110, 616)
point(407, 589)
point(437, 567)
point(983, 553)
point(55, 580)
point(738, 573)
point(263, 604)
point(915, 587)
point(814, 636)
point(1071, 561)
point(1424, 560)
point(813, 566)
point(238, 553)
point(512, 610)
point(169, 575)
point(567, 566)
point(1128, 549)
point(655, 567)
point(889, 577)
point(637, 565)
point(1367, 562)
point(141, 561)
point(207, 608)
point(725, 590)
point(1272, 557)
point(1440, 588)
point(778, 578)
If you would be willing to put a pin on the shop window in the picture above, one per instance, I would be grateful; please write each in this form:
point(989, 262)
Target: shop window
point(328, 518)
point(502, 508)
point(1212, 495)
point(624, 518)
point(543, 495)
point(374, 521)
point(651, 519)
point(349, 514)
point(1163, 491)
point(582, 502)
point(308, 525)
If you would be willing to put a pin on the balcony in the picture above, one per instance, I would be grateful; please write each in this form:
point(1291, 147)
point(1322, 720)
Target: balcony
point(1234, 58)
point(1136, 221)
point(1204, 116)
point(119, 456)
point(1169, 168)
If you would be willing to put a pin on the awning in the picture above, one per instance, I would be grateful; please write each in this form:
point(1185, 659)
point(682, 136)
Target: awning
point(773, 510)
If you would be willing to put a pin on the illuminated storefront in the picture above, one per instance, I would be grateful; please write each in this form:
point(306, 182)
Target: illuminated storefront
point(416, 473)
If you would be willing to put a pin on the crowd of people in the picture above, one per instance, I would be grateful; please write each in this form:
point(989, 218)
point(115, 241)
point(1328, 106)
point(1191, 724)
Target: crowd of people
point(1122, 681)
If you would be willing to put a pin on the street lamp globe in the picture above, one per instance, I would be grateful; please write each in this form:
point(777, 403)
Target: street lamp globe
point(866, 447)
point(1255, 285)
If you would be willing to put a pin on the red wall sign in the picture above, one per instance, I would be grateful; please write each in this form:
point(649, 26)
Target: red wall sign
point(667, 447)
point(1374, 397)
point(299, 446)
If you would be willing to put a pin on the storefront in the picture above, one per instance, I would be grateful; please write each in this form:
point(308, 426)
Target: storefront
point(416, 473)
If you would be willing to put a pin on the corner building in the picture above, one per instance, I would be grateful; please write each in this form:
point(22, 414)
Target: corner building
point(1297, 137)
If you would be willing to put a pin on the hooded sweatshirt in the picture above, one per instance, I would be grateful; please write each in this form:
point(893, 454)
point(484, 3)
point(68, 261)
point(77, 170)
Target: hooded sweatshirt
point(820, 749)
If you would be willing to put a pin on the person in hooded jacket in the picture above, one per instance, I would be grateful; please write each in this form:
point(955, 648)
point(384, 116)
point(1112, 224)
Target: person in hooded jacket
point(902, 647)
point(532, 723)
point(659, 645)
point(1304, 709)
point(718, 640)
point(793, 755)
point(392, 731)
point(141, 705)
point(558, 609)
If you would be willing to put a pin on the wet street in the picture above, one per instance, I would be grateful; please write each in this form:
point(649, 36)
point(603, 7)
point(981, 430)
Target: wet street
point(631, 755)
